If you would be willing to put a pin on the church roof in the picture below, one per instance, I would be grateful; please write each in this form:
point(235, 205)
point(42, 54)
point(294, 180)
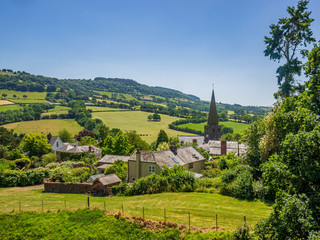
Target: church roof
point(213, 115)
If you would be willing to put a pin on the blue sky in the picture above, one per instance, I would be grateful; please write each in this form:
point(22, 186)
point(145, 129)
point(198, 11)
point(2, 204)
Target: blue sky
point(181, 44)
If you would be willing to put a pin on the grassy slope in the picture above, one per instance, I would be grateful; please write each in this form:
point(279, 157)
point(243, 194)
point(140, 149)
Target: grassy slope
point(203, 207)
point(9, 107)
point(237, 127)
point(32, 97)
point(49, 125)
point(104, 109)
point(57, 110)
point(137, 120)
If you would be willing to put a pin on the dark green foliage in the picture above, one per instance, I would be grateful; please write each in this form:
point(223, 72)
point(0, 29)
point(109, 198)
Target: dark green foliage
point(170, 180)
point(242, 233)
point(6, 164)
point(4, 153)
point(8, 139)
point(35, 144)
point(162, 137)
point(288, 36)
point(23, 163)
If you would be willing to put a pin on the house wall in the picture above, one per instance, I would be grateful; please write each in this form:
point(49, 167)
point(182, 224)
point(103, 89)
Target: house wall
point(55, 147)
point(197, 166)
point(144, 166)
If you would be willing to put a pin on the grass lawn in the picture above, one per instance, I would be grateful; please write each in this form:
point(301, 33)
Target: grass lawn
point(46, 126)
point(104, 109)
point(237, 127)
point(138, 120)
point(32, 97)
point(57, 110)
point(203, 207)
point(11, 107)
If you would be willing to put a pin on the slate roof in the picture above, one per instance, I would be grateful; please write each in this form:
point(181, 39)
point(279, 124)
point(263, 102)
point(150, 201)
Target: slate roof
point(94, 177)
point(214, 147)
point(184, 156)
point(189, 139)
point(81, 149)
point(112, 158)
point(108, 179)
point(53, 139)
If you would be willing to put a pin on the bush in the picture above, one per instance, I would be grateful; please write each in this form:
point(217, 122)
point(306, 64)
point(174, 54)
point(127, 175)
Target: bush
point(210, 172)
point(120, 168)
point(14, 178)
point(6, 164)
point(22, 163)
point(242, 233)
point(242, 186)
point(258, 189)
point(48, 158)
point(61, 174)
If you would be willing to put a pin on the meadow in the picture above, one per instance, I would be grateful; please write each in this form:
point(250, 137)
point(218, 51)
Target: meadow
point(46, 126)
point(11, 107)
point(104, 109)
point(57, 110)
point(203, 207)
point(138, 120)
point(237, 127)
point(32, 97)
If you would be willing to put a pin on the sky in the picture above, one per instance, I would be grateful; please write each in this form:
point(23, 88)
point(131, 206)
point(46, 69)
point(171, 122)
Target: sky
point(186, 45)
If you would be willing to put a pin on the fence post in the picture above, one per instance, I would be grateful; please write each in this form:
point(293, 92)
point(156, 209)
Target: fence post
point(65, 204)
point(42, 205)
point(104, 205)
point(244, 219)
point(143, 212)
point(165, 218)
point(88, 202)
point(216, 222)
point(189, 220)
point(122, 209)
point(19, 206)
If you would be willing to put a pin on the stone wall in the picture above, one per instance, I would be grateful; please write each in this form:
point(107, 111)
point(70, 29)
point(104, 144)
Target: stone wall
point(58, 187)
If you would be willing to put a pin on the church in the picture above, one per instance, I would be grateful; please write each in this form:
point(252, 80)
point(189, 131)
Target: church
point(212, 133)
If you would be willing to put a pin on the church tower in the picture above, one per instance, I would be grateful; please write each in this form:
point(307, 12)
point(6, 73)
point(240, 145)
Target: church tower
point(212, 131)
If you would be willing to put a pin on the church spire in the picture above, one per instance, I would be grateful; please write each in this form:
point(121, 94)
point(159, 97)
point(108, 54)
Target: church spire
point(213, 115)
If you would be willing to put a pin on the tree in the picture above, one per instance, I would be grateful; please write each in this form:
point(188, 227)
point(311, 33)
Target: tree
point(87, 141)
point(162, 137)
point(4, 153)
point(163, 146)
point(136, 141)
point(103, 131)
point(286, 36)
point(25, 96)
point(35, 144)
point(4, 95)
point(121, 144)
point(120, 168)
point(65, 136)
point(83, 133)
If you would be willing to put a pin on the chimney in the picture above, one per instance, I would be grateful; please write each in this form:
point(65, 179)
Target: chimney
point(138, 159)
point(223, 147)
point(90, 148)
point(174, 148)
point(49, 136)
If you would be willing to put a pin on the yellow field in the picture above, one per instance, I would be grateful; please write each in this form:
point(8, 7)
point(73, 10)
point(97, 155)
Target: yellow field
point(137, 120)
point(46, 126)
point(5, 102)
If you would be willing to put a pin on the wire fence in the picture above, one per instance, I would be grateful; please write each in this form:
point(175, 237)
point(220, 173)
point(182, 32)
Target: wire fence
point(178, 215)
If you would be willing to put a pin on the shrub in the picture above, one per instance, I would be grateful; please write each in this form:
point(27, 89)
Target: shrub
point(6, 164)
point(242, 233)
point(258, 189)
point(48, 158)
point(22, 163)
point(120, 168)
point(14, 178)
point(242, 186)
point(210, 172)
point(61, 174)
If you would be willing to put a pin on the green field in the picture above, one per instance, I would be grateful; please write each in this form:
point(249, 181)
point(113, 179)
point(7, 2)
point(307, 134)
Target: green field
point(46, 126)
point(57, 110)
point(11, 107)
point(138, 120)
point(109, 94)
point(237, 127)
point(32, 97)
point(203, 207)
point(104, 109)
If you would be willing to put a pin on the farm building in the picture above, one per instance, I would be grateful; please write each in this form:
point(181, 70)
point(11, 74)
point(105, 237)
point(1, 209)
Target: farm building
point(102, 185)
point(142, 163)
point(108, 160)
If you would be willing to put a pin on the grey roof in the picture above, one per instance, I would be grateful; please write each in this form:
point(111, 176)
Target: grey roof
point(184, 156)
point(108, 179)
point(94, 177)
point(66, 147)
point(213, 147)
point(85, 148)
point(104, 166)
point(189, 139)
point(53, 139)
point(112, 158)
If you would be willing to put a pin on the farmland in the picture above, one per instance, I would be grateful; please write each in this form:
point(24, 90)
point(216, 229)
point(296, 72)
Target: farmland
point(11, 107)
point(32, 97)
point(104, 109)
point(52, 126)
point(230, 210)
point(237, 127)
point(137, 120)
point(57, 110)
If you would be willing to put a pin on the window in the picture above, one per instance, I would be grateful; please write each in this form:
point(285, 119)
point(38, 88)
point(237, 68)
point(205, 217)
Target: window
point(151, 169)
point(57, 144)
point(190, 165)
point(133, 179)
